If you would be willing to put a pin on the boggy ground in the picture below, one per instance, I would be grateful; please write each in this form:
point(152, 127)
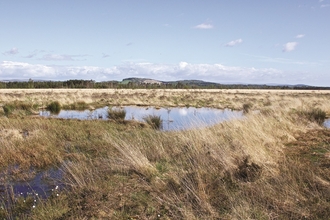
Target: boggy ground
point(216, 98)
point(272, 165)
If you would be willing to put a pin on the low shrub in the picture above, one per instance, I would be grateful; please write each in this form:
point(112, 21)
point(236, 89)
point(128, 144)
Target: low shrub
point(154, 121)
point(54, 107)
point(116, 114)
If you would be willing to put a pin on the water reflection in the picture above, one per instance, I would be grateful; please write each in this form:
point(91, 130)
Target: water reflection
point(173, 118)
point(327, 123)
point(41, 186)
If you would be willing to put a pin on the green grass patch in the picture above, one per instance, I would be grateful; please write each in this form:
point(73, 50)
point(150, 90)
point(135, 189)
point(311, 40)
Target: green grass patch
point(54, 107)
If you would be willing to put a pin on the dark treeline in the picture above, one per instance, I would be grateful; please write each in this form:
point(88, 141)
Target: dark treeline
point(82, 84)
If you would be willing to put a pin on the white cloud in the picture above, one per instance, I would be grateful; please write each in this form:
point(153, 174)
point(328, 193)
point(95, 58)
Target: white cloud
point(17, 70)
point(182, 65)
point(300, 36)
point(167, 72)
point(233, 43)
point(204, 26)
point(325, 5)
point(290, 46)
point(182, 70)
point(12, 51)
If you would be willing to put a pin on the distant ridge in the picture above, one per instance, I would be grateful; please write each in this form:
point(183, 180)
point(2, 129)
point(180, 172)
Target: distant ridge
point(201, 83)
point(136, 82)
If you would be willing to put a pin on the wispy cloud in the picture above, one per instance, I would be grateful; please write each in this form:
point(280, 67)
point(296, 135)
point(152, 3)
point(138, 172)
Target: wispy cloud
point(104, 55)
point(34, 54)
point(283, 60)
point(233, 43)
point(12, 51)
point(290, 46)
point(325, 5)
point(204, 26)
point(300, 36)
point(61, 57)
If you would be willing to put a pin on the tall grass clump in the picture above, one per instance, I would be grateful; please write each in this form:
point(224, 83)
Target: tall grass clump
point(314, 115)
point(116, 114)
point(20, 107)
point(154, 121)
point(54, 107)
point(7, 109)
point(81, 105)
point(246, 107)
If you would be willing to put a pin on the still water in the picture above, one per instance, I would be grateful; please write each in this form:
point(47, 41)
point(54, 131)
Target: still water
point(173, 118)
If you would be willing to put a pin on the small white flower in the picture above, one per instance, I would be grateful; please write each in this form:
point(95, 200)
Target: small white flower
point(33, 206)
point(57, 194)
point(56, 187)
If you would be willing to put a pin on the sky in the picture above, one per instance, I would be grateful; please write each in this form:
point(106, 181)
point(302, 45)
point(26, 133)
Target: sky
point(224, 41)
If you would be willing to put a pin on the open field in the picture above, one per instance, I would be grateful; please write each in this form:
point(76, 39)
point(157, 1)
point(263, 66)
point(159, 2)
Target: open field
point(233, 99)
point(274, 164)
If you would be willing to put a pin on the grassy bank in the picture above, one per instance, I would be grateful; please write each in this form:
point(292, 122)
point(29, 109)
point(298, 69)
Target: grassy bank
point(274, 164)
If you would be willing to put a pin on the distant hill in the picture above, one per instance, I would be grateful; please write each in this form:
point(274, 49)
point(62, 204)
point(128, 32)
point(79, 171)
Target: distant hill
point(203, 84)
point(135, 82)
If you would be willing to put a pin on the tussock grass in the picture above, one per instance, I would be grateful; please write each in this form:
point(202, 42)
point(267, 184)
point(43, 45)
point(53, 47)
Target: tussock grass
point(80, 105)
point(54, 107)
point(247, 107)
point(154, 121)
point(272, 164)
point(117, 114)
point(314, 115)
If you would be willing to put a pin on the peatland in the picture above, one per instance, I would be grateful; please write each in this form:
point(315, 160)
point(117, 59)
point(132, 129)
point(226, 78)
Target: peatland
point(272, 164)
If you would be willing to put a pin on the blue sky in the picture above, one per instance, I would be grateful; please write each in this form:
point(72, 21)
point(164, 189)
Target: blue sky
point(224, 41)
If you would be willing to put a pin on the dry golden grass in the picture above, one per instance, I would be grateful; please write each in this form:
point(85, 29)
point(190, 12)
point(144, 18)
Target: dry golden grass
point(233, 99)
point(271, 165)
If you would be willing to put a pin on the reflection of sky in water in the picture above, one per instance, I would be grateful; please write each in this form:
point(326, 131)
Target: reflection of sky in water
point(327, 123)
point(41, 186)
point(173, 118)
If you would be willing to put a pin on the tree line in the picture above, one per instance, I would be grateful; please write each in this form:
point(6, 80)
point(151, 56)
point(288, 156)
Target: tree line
point(88, 84)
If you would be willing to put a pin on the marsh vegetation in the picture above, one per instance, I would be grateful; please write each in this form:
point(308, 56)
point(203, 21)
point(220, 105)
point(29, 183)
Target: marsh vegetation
point(274, 164)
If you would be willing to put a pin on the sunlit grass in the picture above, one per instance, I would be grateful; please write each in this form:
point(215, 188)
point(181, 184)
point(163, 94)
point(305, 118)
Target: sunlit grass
point(269, 164)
